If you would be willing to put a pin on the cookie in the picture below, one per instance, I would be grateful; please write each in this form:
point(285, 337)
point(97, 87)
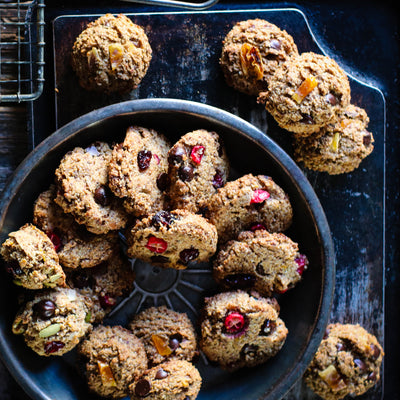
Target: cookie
point(166, 334)
point(82, 189)
point(347, 362)
point(172, 239)
point(251, 53)
point(31, 259)
point(198, 166)
point(54, 322)
point(247, 202)
point(103, 284)
point(241, 330)
point(75, 246)
point(138, 170)
point(172, 380)
point(259, 260)
point(114, 359)
point(306, 93)
point(338, 147)
point(111, 55)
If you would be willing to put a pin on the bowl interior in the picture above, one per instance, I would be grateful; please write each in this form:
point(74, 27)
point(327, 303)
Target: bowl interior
point(305, 309)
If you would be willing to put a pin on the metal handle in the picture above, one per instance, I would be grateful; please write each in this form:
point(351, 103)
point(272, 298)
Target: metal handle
point(176, 3)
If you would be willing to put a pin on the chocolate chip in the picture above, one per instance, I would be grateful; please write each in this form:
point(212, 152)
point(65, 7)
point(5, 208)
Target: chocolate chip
point(162, 218)
point(174, 341)
point(249, 351)
point(340, 346)
point(275, 44)
point(185, 173)
point(176, 154)
point(307, 119)
point(14, 268)
point(92, 150)
point(260, 268)
point(142, 388)
point(159, 259)
point(326, 334)
point(162, 181)
point(102, 196)
point(188, 255)
point(268, 327)
point(367, 139)
point(331, 99)
point(161, 374)
point(143, 159)
point(44, 309)
point(240, 281)
point(372, 376)
point(375, 351)
point(360, 364)
point(81, 280)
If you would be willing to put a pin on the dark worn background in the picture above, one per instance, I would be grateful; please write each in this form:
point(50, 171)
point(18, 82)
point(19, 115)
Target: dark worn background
point(363, 37)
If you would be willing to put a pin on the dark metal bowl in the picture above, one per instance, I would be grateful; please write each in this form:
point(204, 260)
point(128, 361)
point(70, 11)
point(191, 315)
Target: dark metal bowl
point(305, 309)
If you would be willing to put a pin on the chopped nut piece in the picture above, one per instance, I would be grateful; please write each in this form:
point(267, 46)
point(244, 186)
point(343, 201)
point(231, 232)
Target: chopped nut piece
point(116, 55)
point(335, 142)
point(308, 85)
point(332, 378)
point(161, 345)
point(106, 375)
point(251, 61)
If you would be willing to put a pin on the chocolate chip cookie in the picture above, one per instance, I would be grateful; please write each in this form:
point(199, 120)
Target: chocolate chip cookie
point(111, 55)
point(306, 93)
point(251, 53)
point(198, 166)
point(347, 362)
point(338, 147)
point(166, 334)
point(54, 322)
point(172, 239)
point(31, 259)
point(82, 189)
point(114, 358)
point(247, 202)
point(172, 380)
point(259, 260)
point(75, 246)
point(138, 170)
point(241, 330)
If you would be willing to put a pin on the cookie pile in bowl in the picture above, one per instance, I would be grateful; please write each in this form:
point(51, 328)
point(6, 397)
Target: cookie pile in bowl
point(217, 188)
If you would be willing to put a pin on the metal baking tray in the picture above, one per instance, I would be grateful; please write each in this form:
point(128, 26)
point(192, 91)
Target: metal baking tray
point(186, 49)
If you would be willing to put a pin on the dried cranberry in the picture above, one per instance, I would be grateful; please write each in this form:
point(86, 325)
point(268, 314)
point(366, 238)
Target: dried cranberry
point(218, 180)
point(143, 159)
point(107, 301)
point(307, 119)
point(14, 268)
point(176, 155)
point(55, 239)
point(259, 196)
point(240, 281)
point(142, 388)
point(268, 327)
point(188, 255)
point(102, 196)
point(155, 156)
point(156, 245)
point(162, 218)
point(162, 181)
point(185, 173)
point(53, 347)
point(159, 259)
point(44, 309)
point(281, 291)
point(234, 323)
point(257, 227)
point(197, 153)
point(302, 262)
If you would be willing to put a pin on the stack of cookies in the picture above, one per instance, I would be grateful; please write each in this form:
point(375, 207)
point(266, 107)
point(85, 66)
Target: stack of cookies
point(307, 94)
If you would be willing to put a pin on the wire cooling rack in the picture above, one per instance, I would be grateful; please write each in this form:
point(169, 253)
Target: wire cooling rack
point(21, 50)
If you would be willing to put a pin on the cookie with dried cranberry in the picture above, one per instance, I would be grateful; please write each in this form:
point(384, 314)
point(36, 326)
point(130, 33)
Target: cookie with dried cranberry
point(82, 189)
point(306, 93)
point(75, 246)
point(54, 322)
point(347, 362)
point(251, 53)
point(31, 259)
point(198, 166)
point(111, 55)
point(166, 334)
point(103, 284)
point(114, 358)
point(138, 170)
point(241, 330)
point(172, 239)
point(338, 147)
point(247, 202)
point(171, 380)
point(263, 261)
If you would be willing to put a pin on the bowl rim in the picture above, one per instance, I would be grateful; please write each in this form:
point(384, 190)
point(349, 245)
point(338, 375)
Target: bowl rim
point(214, 115)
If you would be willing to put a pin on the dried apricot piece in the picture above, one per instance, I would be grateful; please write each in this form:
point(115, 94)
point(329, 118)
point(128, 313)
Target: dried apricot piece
point(161, 345)
point(332, 378)
point(335, 142)
point(251, 61)
point(106, 375)
point(307, 86)
point(116, 52)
